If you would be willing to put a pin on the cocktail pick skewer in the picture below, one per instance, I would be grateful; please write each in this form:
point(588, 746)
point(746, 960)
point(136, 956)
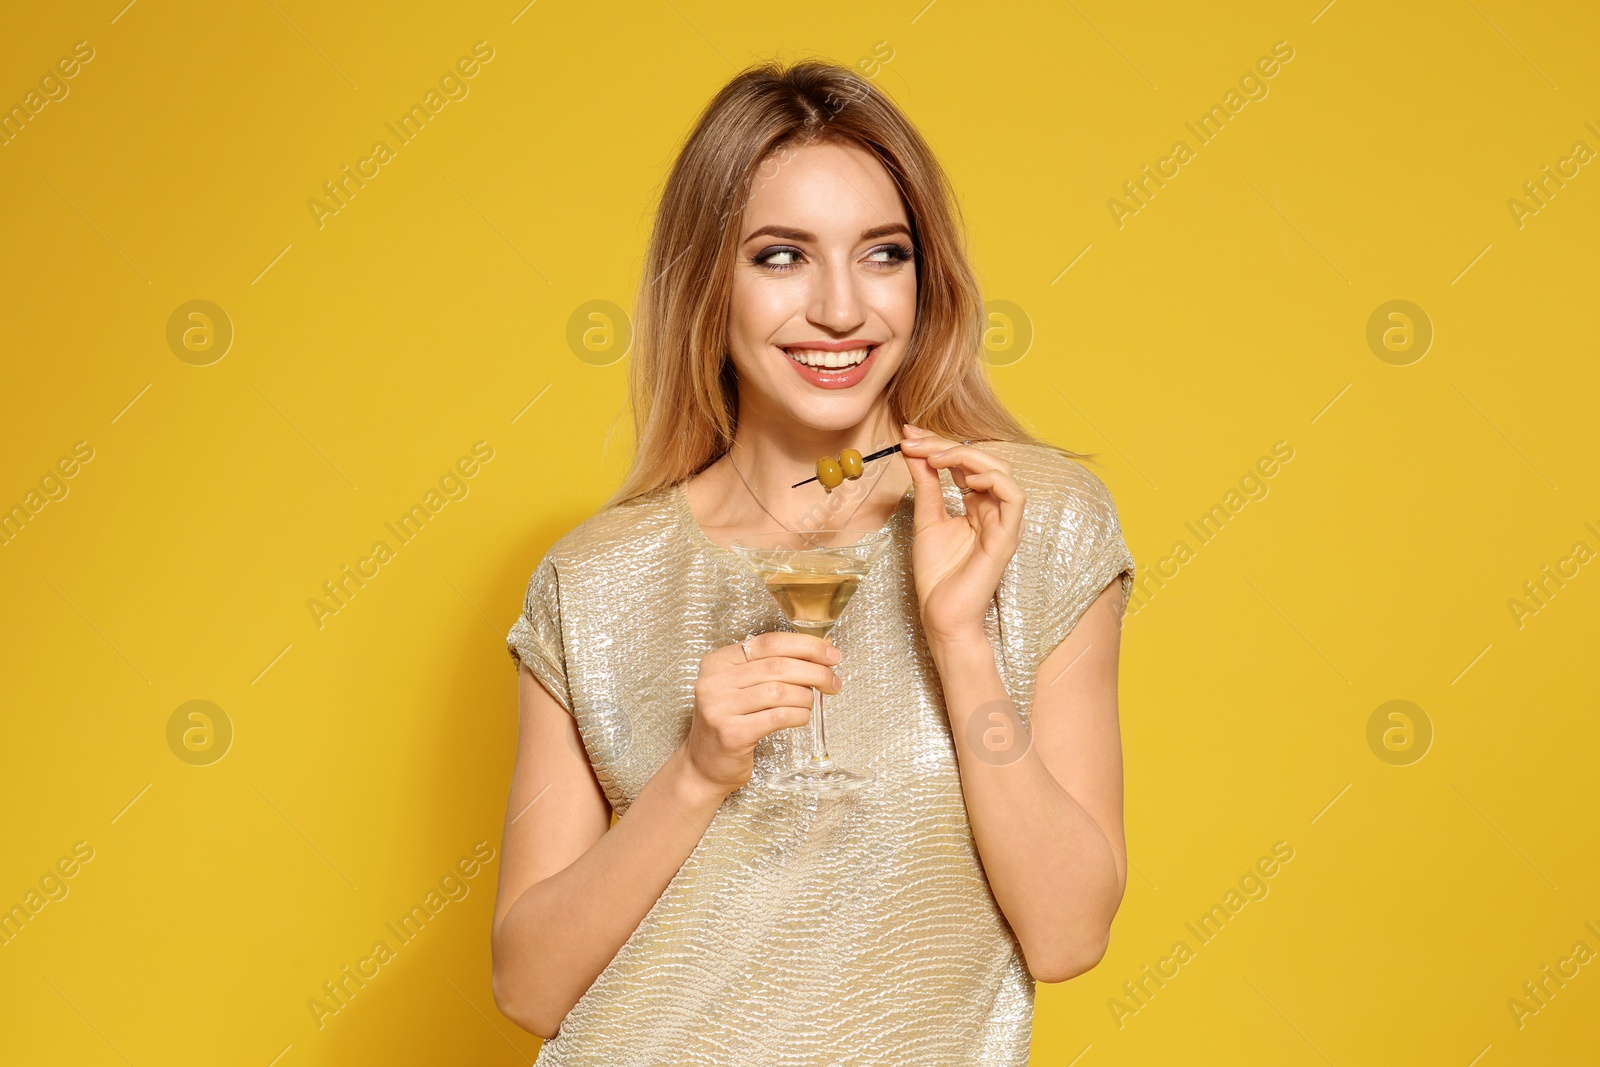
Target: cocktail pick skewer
point(864, 459)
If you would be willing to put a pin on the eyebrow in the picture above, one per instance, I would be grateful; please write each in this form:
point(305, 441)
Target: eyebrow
point(789, 233)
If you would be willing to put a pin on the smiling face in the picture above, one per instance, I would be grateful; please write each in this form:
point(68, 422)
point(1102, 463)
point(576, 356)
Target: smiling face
point(824, 290)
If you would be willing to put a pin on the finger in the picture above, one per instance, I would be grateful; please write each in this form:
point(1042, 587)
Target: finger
point(997, 491)
point(927, 505)
point(937, 453)
point(997, 486)
point(917, 436)
point(769, 694)
point(998, 482)
point(921, 443)
point(914, 430)
point(786, 669)
point(772, 720)
point(786, 643)
point(981, 504)
point(783, 718)
point(969, 458)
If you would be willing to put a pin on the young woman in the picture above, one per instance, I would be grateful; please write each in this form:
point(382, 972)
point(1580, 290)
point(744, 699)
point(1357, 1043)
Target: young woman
point(806, 291)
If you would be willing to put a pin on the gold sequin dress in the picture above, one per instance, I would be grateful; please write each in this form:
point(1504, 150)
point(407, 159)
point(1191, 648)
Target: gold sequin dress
point(803, 932)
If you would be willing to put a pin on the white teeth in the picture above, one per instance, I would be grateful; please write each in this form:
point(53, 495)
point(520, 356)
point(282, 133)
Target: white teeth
point(811, 357)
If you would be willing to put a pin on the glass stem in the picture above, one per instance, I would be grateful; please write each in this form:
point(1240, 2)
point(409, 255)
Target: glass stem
point(819, 733)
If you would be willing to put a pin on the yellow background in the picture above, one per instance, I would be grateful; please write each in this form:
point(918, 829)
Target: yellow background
point(370, 354)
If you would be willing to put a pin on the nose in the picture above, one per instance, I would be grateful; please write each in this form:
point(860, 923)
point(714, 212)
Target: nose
point(835, 303)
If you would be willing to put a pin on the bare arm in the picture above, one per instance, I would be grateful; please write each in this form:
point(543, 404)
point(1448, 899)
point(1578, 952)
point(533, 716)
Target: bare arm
point(573, 888)
point(1047, 814)
point(1045, 810)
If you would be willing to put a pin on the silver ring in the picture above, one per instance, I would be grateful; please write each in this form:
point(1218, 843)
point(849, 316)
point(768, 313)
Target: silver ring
point(744, 644)
point(965, 490)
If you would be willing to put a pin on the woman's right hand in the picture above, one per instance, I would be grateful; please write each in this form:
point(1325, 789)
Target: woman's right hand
point(737, 703)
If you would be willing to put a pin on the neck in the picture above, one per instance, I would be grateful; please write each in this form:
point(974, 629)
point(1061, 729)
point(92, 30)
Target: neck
point(772, 454)
point(775, 456)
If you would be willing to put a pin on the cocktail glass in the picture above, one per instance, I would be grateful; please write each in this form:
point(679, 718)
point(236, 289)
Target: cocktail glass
point(813, 574)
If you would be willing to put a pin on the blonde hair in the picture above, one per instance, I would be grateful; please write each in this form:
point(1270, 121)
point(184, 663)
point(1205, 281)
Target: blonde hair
point(682, 386)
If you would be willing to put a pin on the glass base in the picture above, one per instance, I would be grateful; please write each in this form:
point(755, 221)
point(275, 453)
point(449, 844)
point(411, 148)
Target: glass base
point(820, 779)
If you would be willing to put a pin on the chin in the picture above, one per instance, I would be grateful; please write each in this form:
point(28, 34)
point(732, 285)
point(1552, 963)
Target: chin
point(833, 416)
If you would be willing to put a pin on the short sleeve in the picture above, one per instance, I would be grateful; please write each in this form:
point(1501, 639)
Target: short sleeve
point(1086, 553)
point(535, 638)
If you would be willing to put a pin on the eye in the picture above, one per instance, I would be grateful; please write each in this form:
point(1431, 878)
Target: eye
point(893, 254)
point(777, 258)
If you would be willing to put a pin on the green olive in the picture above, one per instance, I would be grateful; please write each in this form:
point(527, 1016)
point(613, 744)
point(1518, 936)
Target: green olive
point(828, 472)
point(850, 463)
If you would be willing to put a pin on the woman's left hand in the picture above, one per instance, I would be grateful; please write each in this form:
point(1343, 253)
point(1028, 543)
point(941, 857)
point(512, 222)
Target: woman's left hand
point(958, 559)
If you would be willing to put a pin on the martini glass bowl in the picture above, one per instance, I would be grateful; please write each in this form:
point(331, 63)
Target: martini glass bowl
point(812, 574)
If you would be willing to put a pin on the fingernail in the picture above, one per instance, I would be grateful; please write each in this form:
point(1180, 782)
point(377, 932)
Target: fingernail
point(837, 681)
point(833, 654)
